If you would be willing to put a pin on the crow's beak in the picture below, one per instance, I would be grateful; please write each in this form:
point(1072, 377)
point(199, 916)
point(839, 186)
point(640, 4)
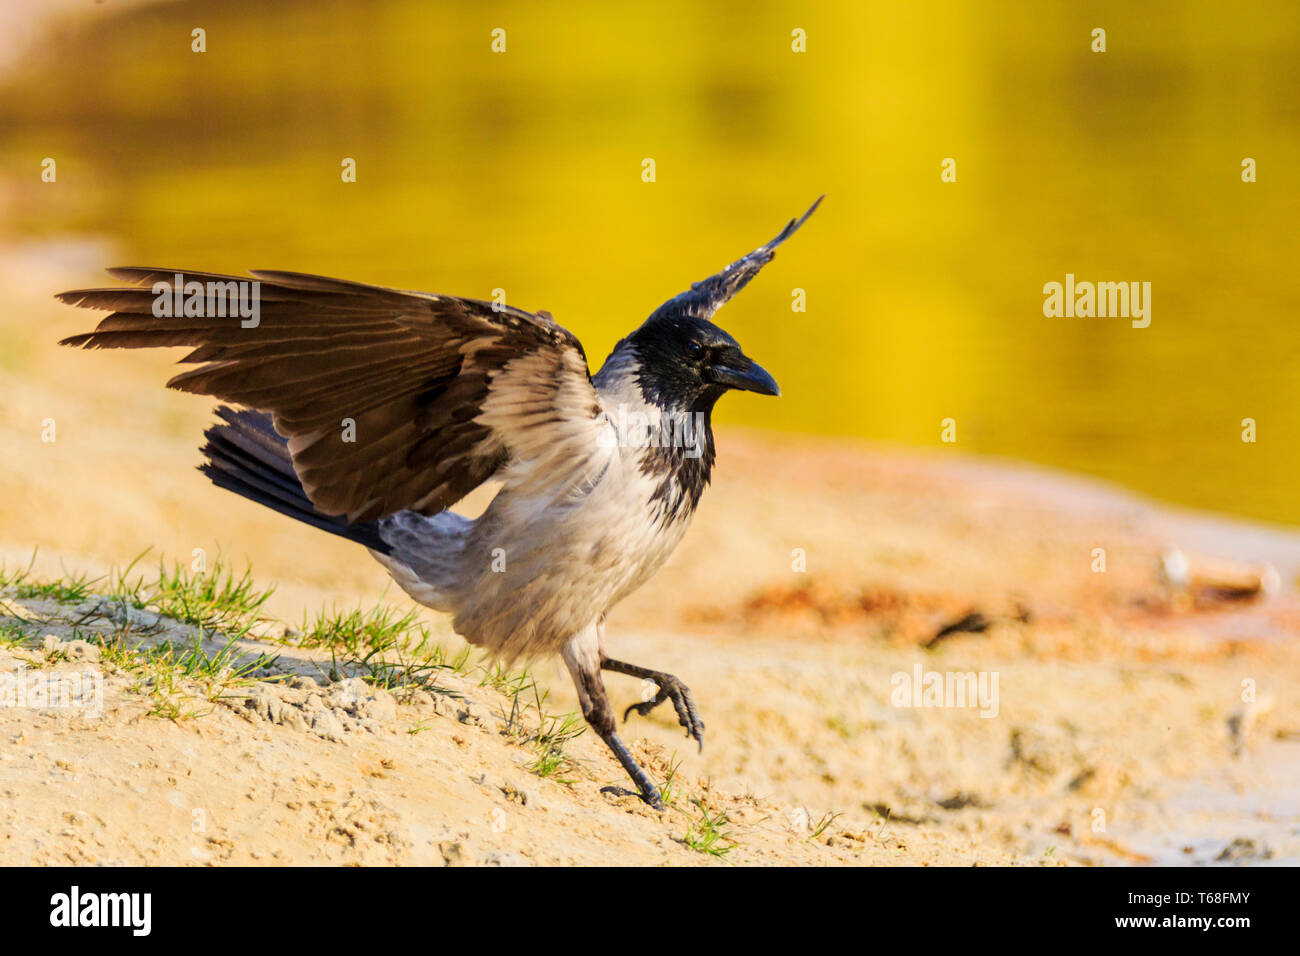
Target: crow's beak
point(745, 375)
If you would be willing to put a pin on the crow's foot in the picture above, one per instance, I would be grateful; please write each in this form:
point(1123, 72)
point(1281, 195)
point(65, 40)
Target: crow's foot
point(670, 688)
point(652, 798)
point(644, 785)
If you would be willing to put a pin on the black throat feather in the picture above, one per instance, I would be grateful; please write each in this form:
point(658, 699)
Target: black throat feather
point(681, 462)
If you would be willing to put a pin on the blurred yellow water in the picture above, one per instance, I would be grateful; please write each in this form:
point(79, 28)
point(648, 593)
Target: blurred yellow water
point(522, 171)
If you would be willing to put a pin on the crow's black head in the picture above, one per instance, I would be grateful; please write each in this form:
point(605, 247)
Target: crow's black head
point(687, 363)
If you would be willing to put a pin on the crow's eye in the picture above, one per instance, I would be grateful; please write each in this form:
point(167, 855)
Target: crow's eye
point(694, 350)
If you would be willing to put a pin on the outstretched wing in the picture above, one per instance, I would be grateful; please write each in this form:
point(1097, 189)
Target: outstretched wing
point(705, 297)
point(390, 400)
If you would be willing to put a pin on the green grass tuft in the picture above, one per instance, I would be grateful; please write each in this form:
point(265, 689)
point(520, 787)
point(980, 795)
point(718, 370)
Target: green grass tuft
point(15, 634)
point(390, 649)
point(167, 671)
point(823, 824)
point(554, 731)
point(69, 589)
point(669, 791)
point(705, 834)
point(215, 600)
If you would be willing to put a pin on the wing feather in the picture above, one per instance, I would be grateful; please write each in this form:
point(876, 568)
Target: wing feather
point(390, 400)
point(705, 297)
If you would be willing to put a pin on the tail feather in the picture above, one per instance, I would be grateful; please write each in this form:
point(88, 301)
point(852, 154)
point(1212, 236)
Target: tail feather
point(247, 456)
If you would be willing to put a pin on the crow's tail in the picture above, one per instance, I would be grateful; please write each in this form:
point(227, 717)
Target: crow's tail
point(247, 456)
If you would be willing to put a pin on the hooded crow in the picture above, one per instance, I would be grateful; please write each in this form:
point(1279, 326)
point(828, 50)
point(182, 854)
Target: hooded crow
point(368, 412)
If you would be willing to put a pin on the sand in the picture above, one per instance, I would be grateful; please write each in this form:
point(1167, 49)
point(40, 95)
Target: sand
point(1118, 733)
point(802, 599)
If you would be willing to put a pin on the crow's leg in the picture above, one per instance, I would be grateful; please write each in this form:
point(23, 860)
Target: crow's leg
point(582, 657)
point(670, 688)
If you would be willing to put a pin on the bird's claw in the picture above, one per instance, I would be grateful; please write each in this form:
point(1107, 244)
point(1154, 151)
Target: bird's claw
point(650, 795)
point(670, 688)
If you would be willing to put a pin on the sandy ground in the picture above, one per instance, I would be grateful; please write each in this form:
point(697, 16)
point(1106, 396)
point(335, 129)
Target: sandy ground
point(1113, 739)
point(813, 578)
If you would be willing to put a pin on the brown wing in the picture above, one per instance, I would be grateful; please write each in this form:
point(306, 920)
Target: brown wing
point(439, 391)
